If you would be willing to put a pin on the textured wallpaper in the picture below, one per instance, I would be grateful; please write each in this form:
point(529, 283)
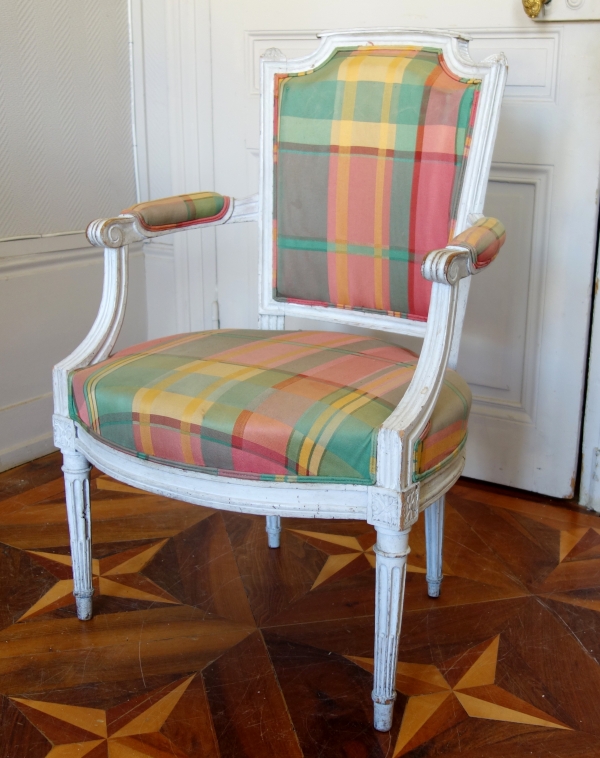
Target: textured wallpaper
point(66, 154)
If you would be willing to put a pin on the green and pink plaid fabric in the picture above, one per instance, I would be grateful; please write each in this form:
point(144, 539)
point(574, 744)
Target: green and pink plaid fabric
point(180, 211)
point(283, 406)
point(370, 154)
point(484, 239)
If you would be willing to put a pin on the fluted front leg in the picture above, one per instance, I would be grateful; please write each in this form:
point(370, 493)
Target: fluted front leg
point(77, 491)
point(434, 543)
point(391, 550)
point(273, 530)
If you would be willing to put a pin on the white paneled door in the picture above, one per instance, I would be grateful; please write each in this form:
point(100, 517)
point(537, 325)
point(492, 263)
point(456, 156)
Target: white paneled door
point(524, 348)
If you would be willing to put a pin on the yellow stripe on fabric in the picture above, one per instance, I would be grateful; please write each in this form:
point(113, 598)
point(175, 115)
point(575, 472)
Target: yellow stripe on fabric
point(393, 67)
point(200, 405)
point(145, 397)
point(374, 385)
point(341, 134)
point(310, 455)
point(420, 473)
point(294, 351)
point(364, 133)
point(447, 444)
point(331, 426)
point(92, 382)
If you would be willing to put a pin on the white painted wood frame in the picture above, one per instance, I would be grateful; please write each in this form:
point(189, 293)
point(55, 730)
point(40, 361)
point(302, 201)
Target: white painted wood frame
point(393, 504)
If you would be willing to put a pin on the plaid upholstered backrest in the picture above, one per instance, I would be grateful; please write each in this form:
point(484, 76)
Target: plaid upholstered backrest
point(370, 153)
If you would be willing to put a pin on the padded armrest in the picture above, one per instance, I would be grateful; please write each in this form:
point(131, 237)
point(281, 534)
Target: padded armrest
point(180, 211)
point(483, 240)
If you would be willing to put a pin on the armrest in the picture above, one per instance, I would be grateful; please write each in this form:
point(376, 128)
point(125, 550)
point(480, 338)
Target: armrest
point(483, 240)
point(466, 254)
point(181, 211)
point(171, 214)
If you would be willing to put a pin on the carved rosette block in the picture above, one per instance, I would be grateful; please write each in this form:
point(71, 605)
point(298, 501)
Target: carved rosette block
point(77, 493)
point(273, 530)
point(64, 432)
point(391, 551)
point(395, 510)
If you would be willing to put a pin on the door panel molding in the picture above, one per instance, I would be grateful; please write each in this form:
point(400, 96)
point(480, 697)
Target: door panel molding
point(510, 390)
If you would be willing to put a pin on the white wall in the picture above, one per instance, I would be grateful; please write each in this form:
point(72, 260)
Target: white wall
point(173, 114)
point(66, 157)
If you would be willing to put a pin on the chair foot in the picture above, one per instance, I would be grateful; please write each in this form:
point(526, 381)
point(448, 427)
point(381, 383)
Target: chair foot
point(84, 607)
point(383, 713)
point(273, 530)
point(433, 588)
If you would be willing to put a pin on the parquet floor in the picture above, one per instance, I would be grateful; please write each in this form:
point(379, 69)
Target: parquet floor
point(206, 643)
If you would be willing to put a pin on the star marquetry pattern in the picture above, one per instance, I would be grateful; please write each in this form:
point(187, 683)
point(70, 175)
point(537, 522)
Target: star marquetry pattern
point(131, 730)
point(116, 575)
point(579, 544)
point(461, 688)
point(347, 555)
point(576, 550)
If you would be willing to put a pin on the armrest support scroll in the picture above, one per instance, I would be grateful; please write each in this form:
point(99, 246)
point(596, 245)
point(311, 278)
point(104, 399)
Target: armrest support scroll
point(102, 336)
point(401, 430)
point(466, 254)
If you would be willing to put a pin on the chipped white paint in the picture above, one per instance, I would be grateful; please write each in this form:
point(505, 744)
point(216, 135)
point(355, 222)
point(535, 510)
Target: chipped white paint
point(391, 550)
point(393, 503)
point(434, 542)
point(273, 530)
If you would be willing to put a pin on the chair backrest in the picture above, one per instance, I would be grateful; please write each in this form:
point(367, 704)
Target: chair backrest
point(376, 149)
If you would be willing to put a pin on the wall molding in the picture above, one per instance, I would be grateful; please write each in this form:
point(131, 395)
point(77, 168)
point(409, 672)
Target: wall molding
point(191, 141)
point(533, 70)
point(27, 450)
point(160, 250)
point(46, 243)
point(34, 263)
point(525, 408)
point(533, 74)
point(571, 10)
point(20, 437)
point(256, 42)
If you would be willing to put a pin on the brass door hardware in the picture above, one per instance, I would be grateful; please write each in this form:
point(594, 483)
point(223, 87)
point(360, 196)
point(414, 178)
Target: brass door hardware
point(533, 7)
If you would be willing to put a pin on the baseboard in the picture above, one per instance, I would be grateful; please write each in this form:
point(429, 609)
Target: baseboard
point(26, 451)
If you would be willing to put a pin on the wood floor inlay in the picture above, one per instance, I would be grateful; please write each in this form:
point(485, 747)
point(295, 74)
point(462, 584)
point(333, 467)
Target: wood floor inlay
point(205, 642)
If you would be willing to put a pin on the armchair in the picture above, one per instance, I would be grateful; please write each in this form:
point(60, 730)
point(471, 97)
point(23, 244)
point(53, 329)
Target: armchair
point(376, 151)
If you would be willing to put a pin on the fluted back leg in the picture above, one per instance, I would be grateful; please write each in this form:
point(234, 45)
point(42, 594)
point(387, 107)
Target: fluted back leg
point(77, 492)
point(391, 550)
point(273, 530)
point(434, 542)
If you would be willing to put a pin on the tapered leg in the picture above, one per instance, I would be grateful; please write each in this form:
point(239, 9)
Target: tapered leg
point(77, 491)
point(434, 542)
point(273, 530)
point(391, 550)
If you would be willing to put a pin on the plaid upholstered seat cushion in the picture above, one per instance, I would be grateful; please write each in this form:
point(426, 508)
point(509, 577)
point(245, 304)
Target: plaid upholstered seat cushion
point(288, 406)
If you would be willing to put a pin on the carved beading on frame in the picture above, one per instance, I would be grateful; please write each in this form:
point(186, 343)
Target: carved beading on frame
point(274, 54)
point(395, 510)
